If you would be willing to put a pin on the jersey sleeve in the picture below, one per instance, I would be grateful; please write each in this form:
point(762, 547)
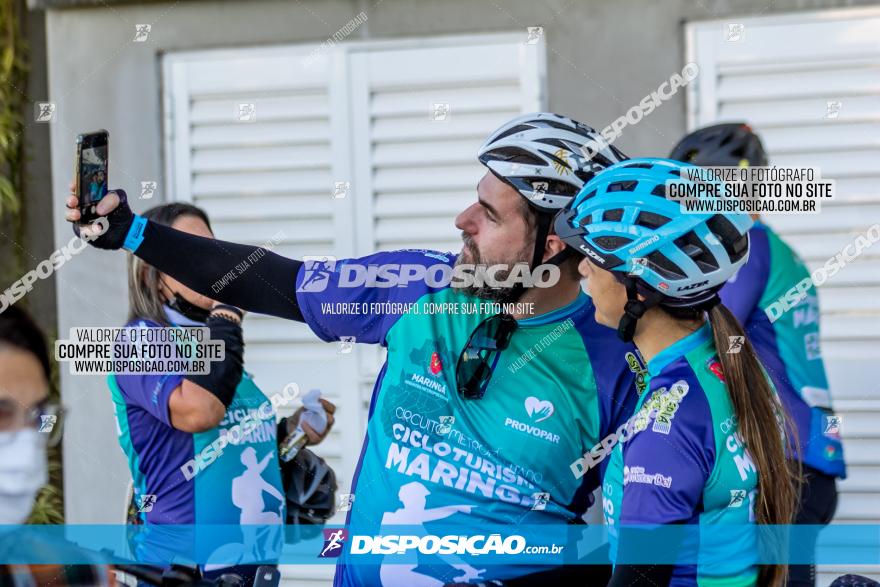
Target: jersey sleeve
point(149, 391)
point(742, 293)
point(361, 299)
point(667, 464)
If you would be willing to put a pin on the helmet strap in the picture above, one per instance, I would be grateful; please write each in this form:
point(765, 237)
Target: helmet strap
point(634, 308)
point(543, 220)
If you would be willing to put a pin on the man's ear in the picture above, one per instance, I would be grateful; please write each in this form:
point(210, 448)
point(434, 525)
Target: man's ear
point(553, 247)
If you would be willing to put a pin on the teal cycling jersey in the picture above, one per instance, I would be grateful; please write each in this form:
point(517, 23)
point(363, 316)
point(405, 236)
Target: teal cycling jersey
point(432, 457)
point(228, 474)
point(684, 462)
point(777, 304)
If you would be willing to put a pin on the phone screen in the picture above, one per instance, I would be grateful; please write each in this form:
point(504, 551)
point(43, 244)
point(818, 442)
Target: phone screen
point(92, 168)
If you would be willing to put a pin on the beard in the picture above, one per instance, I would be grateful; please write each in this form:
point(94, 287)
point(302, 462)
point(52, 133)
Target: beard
point(470, 254)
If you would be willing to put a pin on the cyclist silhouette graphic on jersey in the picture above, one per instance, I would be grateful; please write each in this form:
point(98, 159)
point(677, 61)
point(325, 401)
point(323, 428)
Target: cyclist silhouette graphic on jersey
point(248, 488)
point(414, 497)
point(261, 530)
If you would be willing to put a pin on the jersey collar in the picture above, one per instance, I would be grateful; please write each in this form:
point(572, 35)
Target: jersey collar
point(559, 314)
point(680, 348)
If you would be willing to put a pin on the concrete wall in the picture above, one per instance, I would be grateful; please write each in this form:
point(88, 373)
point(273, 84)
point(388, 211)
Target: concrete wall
point(603, 57)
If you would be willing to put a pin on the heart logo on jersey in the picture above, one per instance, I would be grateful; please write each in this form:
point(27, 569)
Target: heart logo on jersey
point(538, 409)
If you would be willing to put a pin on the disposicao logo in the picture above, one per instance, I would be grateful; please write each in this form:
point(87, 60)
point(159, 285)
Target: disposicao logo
point(333, 542)
point(316, 274)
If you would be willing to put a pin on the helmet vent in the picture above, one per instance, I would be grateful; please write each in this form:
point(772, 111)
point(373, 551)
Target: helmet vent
point(612, 243)
point(651, 220)
point(734, 243)
point(612, 215)
point(622, 186)
point(590, 195)
point(513, 131)
point(697, 250)
point(513, 155)
point(553, 142)
point(638, 166)
point(664, 266)
point(557, 125)
point(659, 190)
point(601, 159)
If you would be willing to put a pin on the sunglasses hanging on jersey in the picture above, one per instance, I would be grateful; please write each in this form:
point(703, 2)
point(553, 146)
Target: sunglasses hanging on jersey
point(476, 362)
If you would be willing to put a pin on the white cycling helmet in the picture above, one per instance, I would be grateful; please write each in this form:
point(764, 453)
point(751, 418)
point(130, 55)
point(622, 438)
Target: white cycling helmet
point(546, 157)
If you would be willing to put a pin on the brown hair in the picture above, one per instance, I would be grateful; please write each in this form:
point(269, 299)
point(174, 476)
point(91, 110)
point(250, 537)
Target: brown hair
point(763, 425)
point(144, 295)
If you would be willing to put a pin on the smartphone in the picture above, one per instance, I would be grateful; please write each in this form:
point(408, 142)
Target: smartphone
point(91, 172)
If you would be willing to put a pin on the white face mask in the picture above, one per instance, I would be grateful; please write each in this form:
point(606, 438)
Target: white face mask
point(22, 473)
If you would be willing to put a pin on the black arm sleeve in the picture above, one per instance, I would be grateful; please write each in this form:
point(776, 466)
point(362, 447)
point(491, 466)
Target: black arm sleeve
point(223, 378)
point(216, 269)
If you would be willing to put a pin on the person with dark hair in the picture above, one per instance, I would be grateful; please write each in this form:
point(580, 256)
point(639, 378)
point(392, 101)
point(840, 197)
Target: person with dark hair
point(785, 336)
point(705, 445)
point(469, 403)
point(168, 422)
point(29, 423)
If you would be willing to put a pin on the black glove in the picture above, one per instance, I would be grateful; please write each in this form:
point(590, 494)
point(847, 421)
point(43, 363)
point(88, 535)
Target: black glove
point(224, 376)
point(119, 220)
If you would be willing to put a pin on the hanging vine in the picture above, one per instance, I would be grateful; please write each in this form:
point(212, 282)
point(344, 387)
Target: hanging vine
point(13, 79)
point(49, 505)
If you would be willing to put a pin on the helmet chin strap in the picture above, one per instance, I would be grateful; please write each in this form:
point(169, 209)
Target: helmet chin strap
point(634, 308)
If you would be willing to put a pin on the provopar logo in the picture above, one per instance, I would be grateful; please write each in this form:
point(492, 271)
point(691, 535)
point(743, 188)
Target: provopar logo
point(538, 410)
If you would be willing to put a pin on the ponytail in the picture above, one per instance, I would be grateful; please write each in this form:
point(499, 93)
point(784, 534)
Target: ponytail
point(762, 424)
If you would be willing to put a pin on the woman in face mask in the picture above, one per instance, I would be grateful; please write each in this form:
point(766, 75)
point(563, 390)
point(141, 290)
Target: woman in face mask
point(29, 423)
point(24, 405)
point(201, 448)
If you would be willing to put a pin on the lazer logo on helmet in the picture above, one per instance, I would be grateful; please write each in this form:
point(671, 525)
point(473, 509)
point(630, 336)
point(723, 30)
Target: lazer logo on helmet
point(641, 246)
point(692, 286)
point(592, 254)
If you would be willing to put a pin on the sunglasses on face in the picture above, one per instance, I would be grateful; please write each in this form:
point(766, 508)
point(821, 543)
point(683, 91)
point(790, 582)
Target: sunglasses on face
point(476, 362)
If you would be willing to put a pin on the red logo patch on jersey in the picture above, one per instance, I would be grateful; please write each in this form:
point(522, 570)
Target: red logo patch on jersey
point(436, 365)
point(715, 367)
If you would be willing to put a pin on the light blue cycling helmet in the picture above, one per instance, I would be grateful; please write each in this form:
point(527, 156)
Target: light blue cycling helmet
point(622, 221)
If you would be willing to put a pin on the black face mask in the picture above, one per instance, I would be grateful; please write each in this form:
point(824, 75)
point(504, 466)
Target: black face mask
point(185, 307)
point(188, 309)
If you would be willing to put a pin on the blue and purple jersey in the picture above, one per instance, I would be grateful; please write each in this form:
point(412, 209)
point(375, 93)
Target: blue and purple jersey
point(684, 462)
point(433, 457)
point(783, 326)
point(190, 478)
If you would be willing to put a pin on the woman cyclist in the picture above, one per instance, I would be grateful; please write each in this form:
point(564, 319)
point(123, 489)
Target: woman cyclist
point(705, 445)
point(168, 422)
point(787, 343)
